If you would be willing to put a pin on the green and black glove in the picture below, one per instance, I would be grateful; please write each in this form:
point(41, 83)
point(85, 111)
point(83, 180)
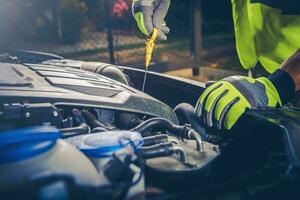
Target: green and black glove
point(151, 13)
point(223, 103)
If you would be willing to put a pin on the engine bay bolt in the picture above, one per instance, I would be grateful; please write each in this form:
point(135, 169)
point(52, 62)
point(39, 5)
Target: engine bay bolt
point(27, 114)
point(55, 113)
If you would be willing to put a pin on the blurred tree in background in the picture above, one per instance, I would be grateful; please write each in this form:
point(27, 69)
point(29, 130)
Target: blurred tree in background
point(41, 19)
point(96, 13)
point(104, 29)
point(71, 19)
point(27, 18)
point(64, 19)
point(178, 18)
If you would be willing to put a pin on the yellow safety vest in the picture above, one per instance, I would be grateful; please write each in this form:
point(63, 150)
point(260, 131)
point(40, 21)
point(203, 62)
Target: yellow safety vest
point(267, 31)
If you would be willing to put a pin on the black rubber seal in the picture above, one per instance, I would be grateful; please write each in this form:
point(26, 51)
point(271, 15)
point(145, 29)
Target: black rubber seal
point(284, 84)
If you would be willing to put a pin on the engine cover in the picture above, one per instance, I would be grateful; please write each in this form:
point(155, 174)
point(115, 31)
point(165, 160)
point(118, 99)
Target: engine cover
point(43, 83)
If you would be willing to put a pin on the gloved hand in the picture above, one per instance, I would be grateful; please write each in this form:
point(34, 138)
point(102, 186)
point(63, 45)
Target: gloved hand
point(151, 13)
point(223, 103)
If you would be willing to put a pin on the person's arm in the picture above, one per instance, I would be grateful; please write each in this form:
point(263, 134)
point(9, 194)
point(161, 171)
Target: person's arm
point(223, 103)
point(292, 67)
point(287, 79)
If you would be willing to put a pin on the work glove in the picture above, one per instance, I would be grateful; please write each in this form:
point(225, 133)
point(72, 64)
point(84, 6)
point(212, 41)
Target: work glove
point(223, 103)
point(151, 13)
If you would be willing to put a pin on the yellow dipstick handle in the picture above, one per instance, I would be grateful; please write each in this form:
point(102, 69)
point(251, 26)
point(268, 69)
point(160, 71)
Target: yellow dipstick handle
point(150, 43)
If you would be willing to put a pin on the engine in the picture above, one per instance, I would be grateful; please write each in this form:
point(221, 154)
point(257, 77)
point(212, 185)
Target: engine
point(80, 103)
point(73, 133)
point(40, 83)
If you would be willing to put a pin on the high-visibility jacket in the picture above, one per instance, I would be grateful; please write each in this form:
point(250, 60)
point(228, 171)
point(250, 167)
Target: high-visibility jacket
point(267, 31)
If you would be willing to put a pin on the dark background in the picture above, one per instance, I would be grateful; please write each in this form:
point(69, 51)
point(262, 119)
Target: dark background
point(96, 30)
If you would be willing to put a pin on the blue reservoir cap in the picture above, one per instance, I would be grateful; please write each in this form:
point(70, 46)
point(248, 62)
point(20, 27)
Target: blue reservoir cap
point(21, 144)
point(105, 143)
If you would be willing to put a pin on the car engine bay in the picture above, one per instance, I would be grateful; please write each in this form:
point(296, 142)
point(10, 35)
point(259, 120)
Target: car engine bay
point(121, 143)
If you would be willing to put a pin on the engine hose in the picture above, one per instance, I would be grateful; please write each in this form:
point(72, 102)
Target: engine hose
point(186, 115)
point(108, 70)
point(195, 136)
point(75, 131)
point(183, 155)
point(163, 150)
point(92, 120)
point(156, 139)
point(162, 124)
point(128, 120)
point(158, 150)
point(98, 130)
